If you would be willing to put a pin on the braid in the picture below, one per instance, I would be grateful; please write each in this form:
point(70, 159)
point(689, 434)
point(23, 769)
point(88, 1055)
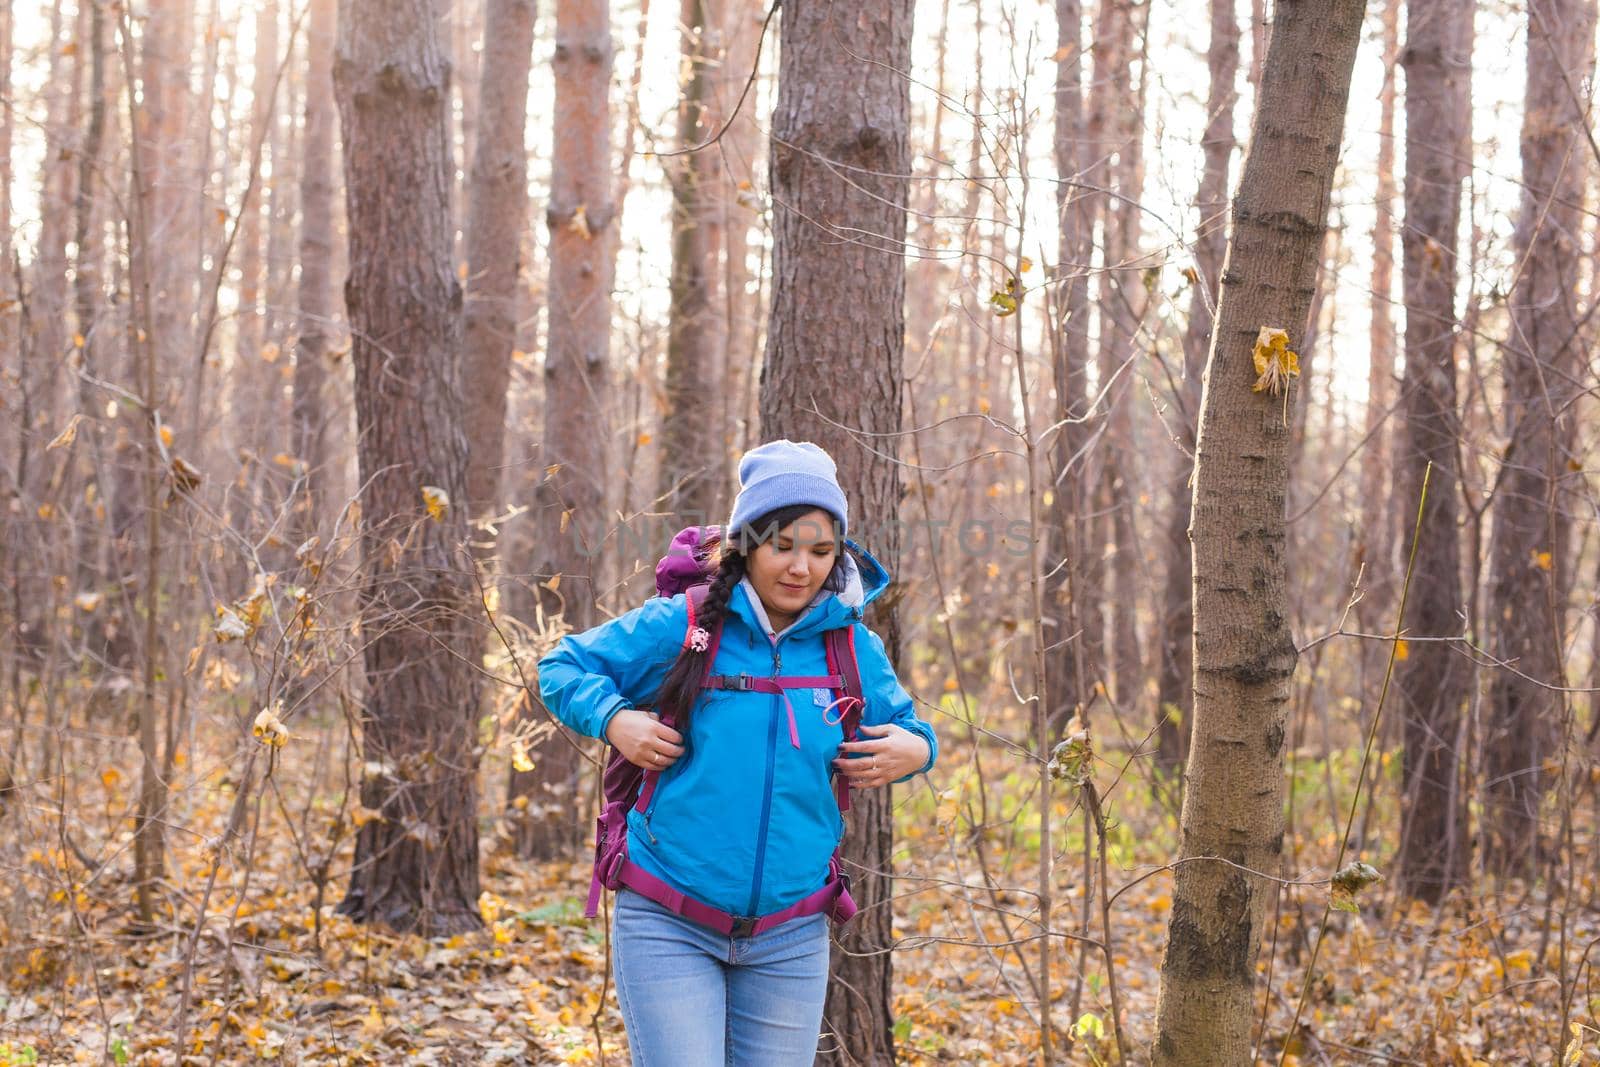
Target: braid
point(681, 686)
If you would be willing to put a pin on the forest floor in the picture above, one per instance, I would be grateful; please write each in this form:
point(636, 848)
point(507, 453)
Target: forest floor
point(1480, 980)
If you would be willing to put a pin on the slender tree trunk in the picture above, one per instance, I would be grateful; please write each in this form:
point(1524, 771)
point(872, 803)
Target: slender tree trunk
point(1529, 563)
point(317, 301)
point(1175, 678)
point(690, 465)
point(571, 498)
point(1375, 550)
point(251, 384)
point(497, 215)
point(1432, 682)
point(838, 157)
point(416, 866)
point(1245, 656)
point(1070, 649)
point(741, 25)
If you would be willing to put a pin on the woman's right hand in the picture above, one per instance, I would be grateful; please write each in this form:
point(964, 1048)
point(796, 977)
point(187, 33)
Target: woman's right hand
point(644, 740)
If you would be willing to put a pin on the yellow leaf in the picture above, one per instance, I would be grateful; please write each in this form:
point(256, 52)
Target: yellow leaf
point(47, 511)
point(437, 502)
point(166, 436)
point(1542, 560)
point(1275, 364)
point(1004, 301)
point(580, 222)
point(78, 340)
point(553, 584)
point(87, 601)
point(270, 351)
point(67, 435)
point(185, 475)
point(1401, 651)
point(983, 404)
point(645, 439)
point(993, 570)
point(110, 776)
point(519, 755)
point(363, 815)
point(566, 517)
point(268, 728)
point(1025, 265)
point(1063, 52)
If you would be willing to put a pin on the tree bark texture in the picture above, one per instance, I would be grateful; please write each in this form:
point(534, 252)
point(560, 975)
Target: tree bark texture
point(1233, 823)
point(839, 154)
point(691, 428)
point(416, 866)
point(1175, 675)
point(1433, 680)
point(496, 216)
point(1542, 359)
point(308, 414)
point(570, 501)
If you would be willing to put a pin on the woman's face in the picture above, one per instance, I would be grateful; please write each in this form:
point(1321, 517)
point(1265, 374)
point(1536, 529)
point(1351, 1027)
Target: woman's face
point(789, 568)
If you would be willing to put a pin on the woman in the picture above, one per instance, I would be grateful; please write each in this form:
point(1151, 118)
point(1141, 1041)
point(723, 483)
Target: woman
point(743, 819)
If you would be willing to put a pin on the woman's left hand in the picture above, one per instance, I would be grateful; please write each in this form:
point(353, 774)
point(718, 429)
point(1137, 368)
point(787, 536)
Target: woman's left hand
point(893, 752)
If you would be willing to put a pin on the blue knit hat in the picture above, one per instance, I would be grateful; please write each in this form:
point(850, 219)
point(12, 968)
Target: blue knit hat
point(780, 473)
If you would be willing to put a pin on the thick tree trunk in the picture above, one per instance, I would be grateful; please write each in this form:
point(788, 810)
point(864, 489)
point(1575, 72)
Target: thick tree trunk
point(1529, 564)
point(571, 498)
point(1175, 677)
point(416, 866)
point(1244, 654)
point(317, 301)
point(691, 429)
point(839, 154)
point(1433, 680)
point(497, 214)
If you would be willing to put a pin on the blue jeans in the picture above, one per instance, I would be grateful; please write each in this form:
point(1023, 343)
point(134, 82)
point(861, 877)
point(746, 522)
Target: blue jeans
point(692, 997)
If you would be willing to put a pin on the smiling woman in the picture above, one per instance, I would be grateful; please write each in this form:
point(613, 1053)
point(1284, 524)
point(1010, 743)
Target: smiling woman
point(730, 859)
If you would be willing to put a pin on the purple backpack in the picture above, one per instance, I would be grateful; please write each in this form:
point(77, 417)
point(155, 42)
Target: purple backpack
point(688, 567)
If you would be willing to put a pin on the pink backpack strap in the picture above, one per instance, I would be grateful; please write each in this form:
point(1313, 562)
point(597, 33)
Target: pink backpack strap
point(695, 600)
point(840, 645)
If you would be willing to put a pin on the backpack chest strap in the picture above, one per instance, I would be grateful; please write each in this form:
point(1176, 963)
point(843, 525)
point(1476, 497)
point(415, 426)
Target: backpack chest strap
point(748, 683)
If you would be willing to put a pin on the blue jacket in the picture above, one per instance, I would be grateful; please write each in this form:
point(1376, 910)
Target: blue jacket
point(744, 821)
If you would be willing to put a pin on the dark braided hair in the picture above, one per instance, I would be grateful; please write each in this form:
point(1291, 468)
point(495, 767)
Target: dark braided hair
point(681, 687)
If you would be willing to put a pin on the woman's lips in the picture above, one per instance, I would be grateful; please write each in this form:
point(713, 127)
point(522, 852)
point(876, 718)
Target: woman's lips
point(793, 588)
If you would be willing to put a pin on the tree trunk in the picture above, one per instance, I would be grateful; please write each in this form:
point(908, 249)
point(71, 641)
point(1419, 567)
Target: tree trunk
point(1432, 681)
point(251, 384)
point(838, 157)
point(1175, 678)
point(1542, 361)
point(416, 866)
point(1245, 656)
point(1070, 649)
point(571, 498)
point(1375, 549)
point(497, 215)
point(691, 429)
point(308, 417)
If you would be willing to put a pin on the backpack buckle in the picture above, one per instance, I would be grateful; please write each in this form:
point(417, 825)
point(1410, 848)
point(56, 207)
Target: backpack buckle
point(744, 683)
point(743, 926)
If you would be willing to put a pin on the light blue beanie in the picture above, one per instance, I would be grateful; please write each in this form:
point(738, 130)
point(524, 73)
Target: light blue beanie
point(780, 473)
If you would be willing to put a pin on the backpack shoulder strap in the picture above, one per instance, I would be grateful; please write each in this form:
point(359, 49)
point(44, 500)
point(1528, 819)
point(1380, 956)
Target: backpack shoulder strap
point(840, 645)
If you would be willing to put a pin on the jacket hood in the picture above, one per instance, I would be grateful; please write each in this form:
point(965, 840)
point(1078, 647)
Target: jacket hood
point(865, 579)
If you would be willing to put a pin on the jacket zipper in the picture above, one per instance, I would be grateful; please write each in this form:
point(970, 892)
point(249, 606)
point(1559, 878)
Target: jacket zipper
point(766, 802)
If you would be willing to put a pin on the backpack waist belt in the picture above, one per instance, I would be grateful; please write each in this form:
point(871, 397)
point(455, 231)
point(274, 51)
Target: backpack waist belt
point(833, 898)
